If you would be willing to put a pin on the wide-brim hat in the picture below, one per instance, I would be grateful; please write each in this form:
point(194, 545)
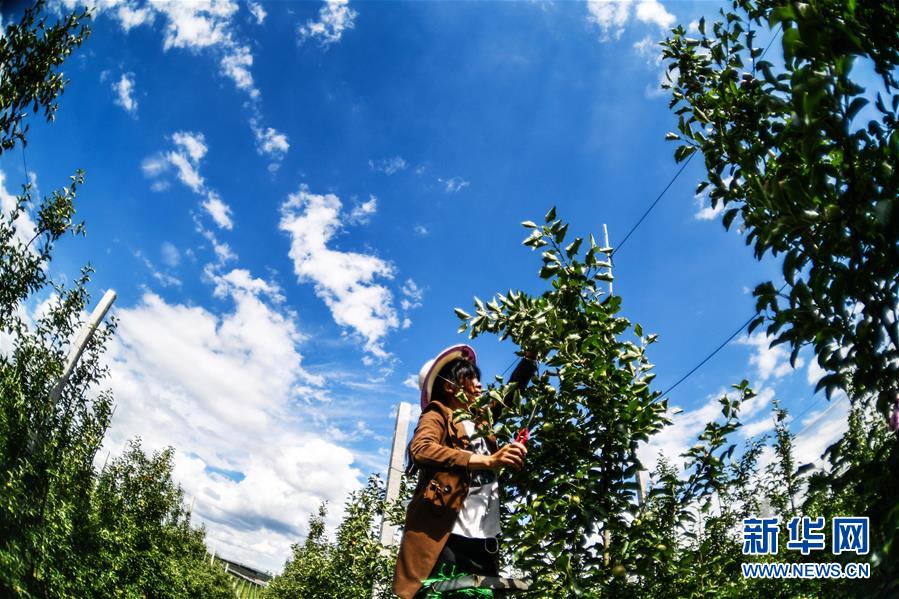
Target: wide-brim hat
point(428, 373)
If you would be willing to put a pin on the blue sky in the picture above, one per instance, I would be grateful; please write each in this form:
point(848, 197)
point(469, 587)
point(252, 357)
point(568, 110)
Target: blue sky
point(290, 199)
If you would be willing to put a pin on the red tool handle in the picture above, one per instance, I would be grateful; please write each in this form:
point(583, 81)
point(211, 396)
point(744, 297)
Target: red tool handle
point(521, 436)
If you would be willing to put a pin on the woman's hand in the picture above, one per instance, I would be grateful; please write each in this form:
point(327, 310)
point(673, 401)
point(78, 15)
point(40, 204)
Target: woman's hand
point(511, 455)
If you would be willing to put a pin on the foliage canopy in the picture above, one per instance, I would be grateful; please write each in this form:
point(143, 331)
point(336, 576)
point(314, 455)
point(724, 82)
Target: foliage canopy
point(65, 529)
point(354, 565)
point(805, 155)
point(808, 162)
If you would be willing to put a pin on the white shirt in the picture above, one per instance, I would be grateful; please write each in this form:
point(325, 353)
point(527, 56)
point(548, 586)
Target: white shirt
point(479, 516)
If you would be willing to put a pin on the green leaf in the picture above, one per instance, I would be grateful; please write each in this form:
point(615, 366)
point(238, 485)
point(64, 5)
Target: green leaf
point(729, 216)
point(572, 248)
point(755, 324)
point(549, 270)
point(791, 42)
point(462, 314)
point(550, 256)
point(532, 238)
point(856, 105)
point(781, 14)
point(683, 152)
point(551, 215)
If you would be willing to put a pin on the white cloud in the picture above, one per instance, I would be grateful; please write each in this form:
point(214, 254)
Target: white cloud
point(270, 141)
point(334, 18)
point(751, 429)
point(160, 185)
point(128, 13)
point(656, 90)
point(411, 381)
point(388, 166)
point(124, 89)
point(163, 278)
point(359, 430)
point(648, 49)
point(824, 428)
point(221, 249)
point(814, 373)
point(170, 254)
point(344, 280)
point(25, 227)
point(221, 390)
point(32, 179)
point(770, 361)
point(454, 184)
point(754, 405)
point(705, 210)
point(240, 280)
point(218, 210)
point(28, 314)
point(187, 171)
point(256, 520)
point(257, 11)
point(236, 65)
point(362, 212)
point(207, 26)
point(675, 439)
point(612, 16)
point(189, 149)
point(193, 143)
point(412, 295)
point(420, 231)
point(195, 25)
point(153, 166)
point(653, 12)
point(681, 435)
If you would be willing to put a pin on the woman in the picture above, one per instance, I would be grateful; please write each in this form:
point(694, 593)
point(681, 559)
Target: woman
point(452, 521)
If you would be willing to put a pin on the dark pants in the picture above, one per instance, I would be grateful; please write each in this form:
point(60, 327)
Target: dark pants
point(470, 556)
point(461, 556)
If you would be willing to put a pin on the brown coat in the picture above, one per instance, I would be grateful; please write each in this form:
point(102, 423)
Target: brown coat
point(441, 450)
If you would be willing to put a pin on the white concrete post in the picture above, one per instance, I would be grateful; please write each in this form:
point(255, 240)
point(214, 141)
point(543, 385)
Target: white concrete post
point(605, 231)
point(641, 486)
point(395, 470)
point(81, 342)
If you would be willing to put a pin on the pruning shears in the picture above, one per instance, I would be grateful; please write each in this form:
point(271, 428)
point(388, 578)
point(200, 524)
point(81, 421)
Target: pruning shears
point(523, 435)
